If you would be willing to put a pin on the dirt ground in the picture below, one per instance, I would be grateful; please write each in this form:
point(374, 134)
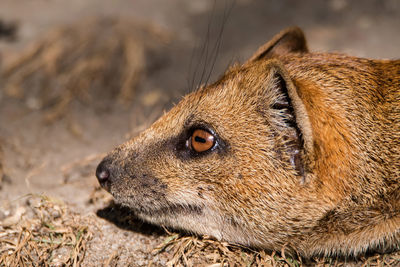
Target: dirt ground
point(49, 190)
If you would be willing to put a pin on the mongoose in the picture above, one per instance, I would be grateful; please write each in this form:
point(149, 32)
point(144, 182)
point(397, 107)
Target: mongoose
point(292, 149)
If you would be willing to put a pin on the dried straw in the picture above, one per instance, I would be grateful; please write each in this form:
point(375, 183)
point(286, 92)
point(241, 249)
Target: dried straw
point(94, 61)
point(43, 233)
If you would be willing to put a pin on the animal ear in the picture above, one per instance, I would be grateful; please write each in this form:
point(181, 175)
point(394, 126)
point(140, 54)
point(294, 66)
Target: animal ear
point(292, 119)
point(290, 40)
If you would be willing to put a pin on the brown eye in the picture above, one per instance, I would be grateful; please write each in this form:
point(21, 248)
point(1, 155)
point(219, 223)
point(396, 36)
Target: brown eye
point(202, 140)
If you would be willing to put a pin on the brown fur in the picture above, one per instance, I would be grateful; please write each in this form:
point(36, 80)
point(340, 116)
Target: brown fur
point(307, 155)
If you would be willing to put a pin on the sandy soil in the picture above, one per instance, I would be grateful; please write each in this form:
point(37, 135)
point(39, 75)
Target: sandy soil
point(58, 159)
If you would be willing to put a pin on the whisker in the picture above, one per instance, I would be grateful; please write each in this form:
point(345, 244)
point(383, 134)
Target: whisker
point(219, 41)
point(205, 59)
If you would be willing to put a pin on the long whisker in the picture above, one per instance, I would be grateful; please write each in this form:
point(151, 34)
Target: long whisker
point(219, 41)
point(205, 58)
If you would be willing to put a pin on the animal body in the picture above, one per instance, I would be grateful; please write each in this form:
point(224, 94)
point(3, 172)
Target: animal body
point(291, 149)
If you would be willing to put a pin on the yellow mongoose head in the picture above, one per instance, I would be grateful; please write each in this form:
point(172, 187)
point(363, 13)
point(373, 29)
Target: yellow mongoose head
point(283, 151)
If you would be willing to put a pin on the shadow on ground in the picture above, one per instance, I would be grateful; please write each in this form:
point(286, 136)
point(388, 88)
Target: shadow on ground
point(125, 219)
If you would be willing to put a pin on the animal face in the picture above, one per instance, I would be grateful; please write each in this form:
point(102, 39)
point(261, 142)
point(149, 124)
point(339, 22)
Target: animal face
point(277, 153)
point(224, 156)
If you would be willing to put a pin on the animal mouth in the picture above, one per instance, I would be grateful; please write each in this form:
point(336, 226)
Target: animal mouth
point(164, 208)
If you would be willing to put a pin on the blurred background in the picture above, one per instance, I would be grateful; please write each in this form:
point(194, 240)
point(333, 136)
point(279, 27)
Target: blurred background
point(79, 77)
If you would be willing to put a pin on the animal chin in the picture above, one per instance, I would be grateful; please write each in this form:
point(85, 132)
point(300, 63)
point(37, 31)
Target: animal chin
point(160, 208)
point(172, 210)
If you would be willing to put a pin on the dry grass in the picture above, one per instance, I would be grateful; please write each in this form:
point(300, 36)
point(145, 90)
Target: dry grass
point(192, 251)
point(42, 232)
point(95, 62)
point(204, 251)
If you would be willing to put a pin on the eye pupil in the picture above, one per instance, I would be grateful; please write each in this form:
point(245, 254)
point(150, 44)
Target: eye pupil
point(202, 140)
point(199, 139)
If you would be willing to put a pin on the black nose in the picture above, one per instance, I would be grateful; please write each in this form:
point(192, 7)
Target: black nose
point(103, 172)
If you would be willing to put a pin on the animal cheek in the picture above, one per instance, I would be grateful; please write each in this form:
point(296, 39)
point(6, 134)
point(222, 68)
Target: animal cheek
point(150, 182)
point(146, 187)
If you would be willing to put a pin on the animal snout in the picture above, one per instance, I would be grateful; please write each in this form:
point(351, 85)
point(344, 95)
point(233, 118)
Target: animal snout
point(103, 173)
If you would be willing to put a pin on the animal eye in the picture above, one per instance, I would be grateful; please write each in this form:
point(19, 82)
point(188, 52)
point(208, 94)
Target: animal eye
point(201, 140)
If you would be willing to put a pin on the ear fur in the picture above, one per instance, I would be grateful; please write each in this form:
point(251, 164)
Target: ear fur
point(290, 40)
point(291, 103)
